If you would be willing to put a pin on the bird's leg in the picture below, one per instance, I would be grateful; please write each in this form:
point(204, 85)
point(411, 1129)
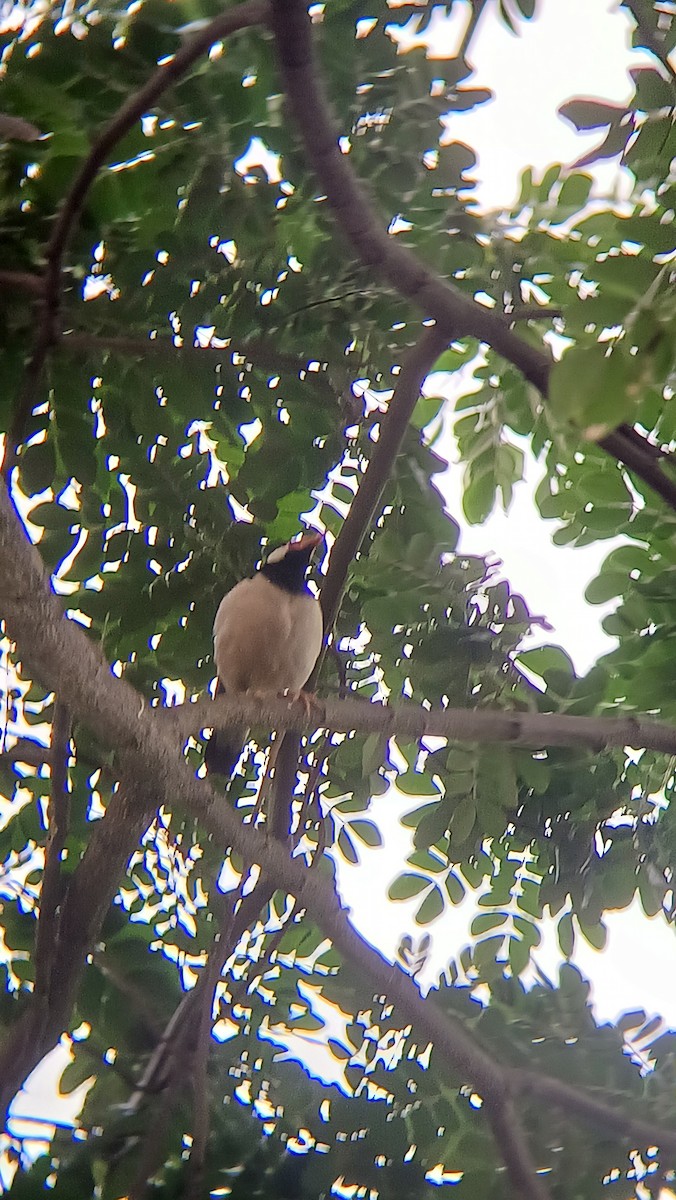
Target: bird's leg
point(312, 706)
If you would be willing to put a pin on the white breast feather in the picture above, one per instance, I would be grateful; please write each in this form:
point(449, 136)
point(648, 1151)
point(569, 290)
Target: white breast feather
point(266, 639)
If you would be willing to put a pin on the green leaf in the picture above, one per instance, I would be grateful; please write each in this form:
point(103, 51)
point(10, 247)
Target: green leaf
point(591, 388)
point(590, 114)
point(566, 935)
point(652, 90)
point(605, 587)
point(595, 934)
point(487, 921)
point(455, 888)
point(407, 885)
point(367, 832)
point(574, 191)
point(346, 847)
point(75, 1073)
point(37, 467)
point(431, 907)
point(462, 821)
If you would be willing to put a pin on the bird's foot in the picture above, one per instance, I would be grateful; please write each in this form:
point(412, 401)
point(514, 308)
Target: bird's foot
point(312, 706)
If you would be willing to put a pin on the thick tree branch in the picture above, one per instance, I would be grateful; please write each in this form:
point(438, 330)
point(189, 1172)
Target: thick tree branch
point(459, 314)
point(453, 310)
point(251, 12)
point(84, 907)
point(411, 722)
point(63, 657)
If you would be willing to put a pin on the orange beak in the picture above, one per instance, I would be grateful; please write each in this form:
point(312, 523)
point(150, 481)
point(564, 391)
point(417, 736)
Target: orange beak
point(308, 540)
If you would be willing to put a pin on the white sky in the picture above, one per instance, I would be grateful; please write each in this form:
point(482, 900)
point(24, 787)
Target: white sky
point(573, 48)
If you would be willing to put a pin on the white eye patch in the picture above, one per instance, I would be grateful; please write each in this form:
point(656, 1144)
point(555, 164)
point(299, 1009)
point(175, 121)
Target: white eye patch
point(278, 554)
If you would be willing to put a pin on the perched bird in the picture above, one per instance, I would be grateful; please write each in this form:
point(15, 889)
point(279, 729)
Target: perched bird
point(267, 637)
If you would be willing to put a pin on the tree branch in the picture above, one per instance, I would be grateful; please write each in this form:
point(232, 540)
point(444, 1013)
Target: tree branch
point(473, 19)
point(584, 1107)
point(58, 816)
point(416, 367)
point(641, 459)
point(418, 363)
point(25, 750)
point(63, 657)
point(22, 281)
point(83, 909)
point(251, 12)
point(510, 1137)
point(532, 312)
point(453, 310)
point(459, 314)
point(410, 721)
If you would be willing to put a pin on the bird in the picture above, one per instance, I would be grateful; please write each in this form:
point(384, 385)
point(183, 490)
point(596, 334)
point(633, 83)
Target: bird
point(268, 634)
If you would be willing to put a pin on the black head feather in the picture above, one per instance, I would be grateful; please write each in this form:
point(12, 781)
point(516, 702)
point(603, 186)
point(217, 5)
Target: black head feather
point(287, 566)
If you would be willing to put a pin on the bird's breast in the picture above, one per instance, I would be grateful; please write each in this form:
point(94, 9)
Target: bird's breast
point(266, 639)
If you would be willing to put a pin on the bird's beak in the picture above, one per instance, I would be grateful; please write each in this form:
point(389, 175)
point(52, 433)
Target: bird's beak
point(308, 541)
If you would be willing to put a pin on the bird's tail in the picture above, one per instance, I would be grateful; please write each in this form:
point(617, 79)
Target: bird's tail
point(223, 750)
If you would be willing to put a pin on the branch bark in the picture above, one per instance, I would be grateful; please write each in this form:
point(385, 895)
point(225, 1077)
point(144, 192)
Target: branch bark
point(410, 721)
point(454, 311)
point(509, 1135)
point(418, 364)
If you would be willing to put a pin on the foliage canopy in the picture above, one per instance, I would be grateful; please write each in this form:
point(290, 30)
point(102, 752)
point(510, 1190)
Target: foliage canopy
point(219, 302)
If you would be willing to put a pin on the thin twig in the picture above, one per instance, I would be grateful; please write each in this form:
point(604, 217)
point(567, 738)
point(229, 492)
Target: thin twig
point(473, 19)
point(416, 367)
point(584, 1107)
point(532, 312)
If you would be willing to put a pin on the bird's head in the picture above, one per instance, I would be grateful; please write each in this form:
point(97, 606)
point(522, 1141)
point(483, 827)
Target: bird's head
point(287, 565)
